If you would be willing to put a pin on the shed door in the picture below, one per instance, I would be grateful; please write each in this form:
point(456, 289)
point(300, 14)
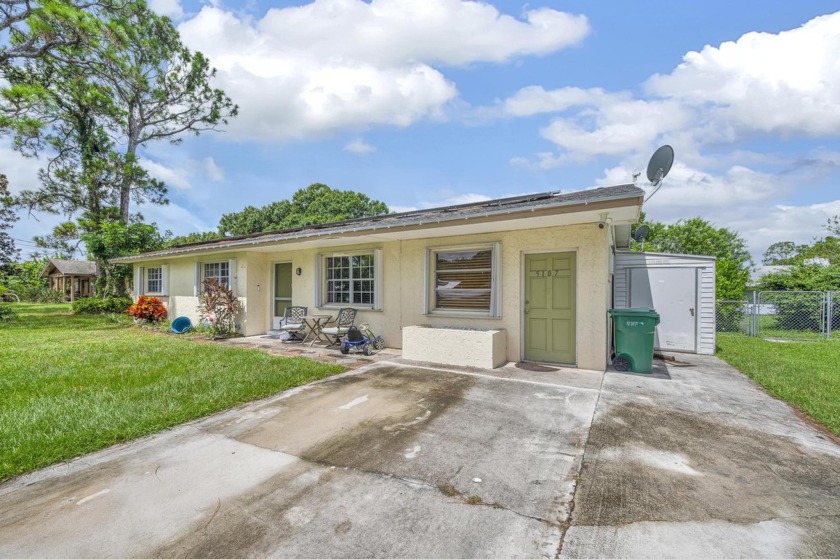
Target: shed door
point(550, 307)
point(672, 292)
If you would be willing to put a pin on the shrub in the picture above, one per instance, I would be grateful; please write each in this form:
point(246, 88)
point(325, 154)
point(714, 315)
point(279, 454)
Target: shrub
point(7, 313)
point(218, 306)
point(99, 305)
point(150, 309)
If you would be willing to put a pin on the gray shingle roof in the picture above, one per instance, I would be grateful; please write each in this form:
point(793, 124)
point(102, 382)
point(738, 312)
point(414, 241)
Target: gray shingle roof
point(73, 267)
point(419, 217)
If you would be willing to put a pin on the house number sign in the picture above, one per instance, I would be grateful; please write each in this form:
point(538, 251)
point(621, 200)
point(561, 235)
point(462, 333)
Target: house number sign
point(547, 273)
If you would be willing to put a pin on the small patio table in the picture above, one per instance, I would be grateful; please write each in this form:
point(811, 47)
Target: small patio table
point(316, 322)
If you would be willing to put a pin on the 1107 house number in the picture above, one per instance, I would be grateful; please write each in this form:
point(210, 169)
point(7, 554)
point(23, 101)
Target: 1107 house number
point(547, 273)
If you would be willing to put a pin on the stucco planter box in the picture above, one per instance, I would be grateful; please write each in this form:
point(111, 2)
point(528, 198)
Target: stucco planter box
point(455, 346)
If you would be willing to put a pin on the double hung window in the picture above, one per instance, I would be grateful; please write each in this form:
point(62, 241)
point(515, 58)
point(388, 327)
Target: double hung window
point(218, 270)
point(154, 280)
point(351, 279)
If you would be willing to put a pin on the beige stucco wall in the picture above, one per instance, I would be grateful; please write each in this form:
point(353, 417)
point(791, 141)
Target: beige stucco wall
point(181, 300)
point(402, 285)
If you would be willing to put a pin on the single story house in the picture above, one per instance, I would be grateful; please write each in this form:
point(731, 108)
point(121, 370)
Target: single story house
point(74, 278)
point(537, 268)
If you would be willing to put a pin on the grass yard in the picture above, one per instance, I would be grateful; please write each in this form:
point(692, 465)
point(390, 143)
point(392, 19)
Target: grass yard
point(805, 374)
point(70, 385)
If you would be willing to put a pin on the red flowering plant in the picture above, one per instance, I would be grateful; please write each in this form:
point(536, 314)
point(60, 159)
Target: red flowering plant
point(218, 306)
point(150, 309)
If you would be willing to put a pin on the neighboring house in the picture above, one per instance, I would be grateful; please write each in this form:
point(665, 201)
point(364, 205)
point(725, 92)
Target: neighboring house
point(74, 278)
point(538, 267)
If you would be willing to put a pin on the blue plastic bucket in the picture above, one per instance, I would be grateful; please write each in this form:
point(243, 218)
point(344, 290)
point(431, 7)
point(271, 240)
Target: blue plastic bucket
point(181, 324)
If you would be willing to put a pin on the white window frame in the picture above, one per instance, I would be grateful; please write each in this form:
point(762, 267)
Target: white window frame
point(201, 268)
point(141, 280)
point(218, 263)
point(154, 270)
point(429, 281)
point(321, 292)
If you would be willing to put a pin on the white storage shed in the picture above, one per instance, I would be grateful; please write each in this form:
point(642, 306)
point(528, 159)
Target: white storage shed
point(680, 287)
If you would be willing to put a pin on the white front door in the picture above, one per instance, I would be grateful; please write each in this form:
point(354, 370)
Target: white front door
point(282, 291)
point(672, 292)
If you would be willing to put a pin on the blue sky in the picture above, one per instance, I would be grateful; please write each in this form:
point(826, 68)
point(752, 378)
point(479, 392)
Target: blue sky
point(429, 103)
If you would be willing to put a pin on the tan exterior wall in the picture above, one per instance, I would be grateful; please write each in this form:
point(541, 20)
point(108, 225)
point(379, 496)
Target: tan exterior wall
point(402, 285)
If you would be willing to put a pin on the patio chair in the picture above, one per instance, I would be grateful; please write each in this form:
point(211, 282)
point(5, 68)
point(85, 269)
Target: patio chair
point(293, 323)
point(345, 319)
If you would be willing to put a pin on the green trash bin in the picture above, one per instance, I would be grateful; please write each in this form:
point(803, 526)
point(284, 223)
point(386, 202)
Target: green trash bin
point(634, 331)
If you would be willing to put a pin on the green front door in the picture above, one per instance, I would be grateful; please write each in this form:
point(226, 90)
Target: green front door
point(550, 307)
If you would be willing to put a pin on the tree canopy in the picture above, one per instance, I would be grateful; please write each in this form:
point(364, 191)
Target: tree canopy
point(317, 203)
point(698, 236)
point(39, 29)
point(92, 111)
point(811, 266)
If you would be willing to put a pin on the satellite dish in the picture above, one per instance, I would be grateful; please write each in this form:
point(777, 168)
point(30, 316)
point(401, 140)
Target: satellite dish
point(659, 165)
point(641, 233)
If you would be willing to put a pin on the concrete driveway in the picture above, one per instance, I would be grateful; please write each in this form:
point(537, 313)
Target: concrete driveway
point(399, 460)
point(392, 461)
point(703, 465)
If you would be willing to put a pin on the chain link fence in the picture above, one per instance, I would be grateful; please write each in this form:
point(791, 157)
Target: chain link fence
point(733, 316)
point(791, 315)
point(783, 315)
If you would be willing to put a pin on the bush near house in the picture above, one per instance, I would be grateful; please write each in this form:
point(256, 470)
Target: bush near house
point(101, 305)
point(150, 309)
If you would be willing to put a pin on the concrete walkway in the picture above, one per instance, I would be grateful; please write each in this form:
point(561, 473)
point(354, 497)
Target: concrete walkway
point(400, 459)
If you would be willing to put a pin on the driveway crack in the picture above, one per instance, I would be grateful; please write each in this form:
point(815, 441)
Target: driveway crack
point(564, 527)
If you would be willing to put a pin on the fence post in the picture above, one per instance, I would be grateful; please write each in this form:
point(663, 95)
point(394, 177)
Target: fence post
point(754, 313)
point(829, 311)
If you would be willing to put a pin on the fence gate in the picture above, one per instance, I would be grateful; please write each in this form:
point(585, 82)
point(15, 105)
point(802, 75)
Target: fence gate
point(791, 315)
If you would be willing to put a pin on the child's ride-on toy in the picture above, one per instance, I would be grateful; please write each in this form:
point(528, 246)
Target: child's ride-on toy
point(361, 338)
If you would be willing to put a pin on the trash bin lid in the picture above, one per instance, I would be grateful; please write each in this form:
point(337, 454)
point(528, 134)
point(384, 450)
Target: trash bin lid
point(635, 311)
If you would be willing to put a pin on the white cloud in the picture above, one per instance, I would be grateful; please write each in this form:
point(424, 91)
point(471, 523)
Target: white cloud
point(779, 85)
point(332, 65)
point(359, 147)
point(175, 218)
point(175, 177)
point(212, 170)
point(534, 99)
point(168, 8)
point(785, 83)
point(22, 172)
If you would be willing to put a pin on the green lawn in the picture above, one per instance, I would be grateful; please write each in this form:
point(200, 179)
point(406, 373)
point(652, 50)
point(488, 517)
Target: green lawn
point(805, 374)
point(70, 384)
